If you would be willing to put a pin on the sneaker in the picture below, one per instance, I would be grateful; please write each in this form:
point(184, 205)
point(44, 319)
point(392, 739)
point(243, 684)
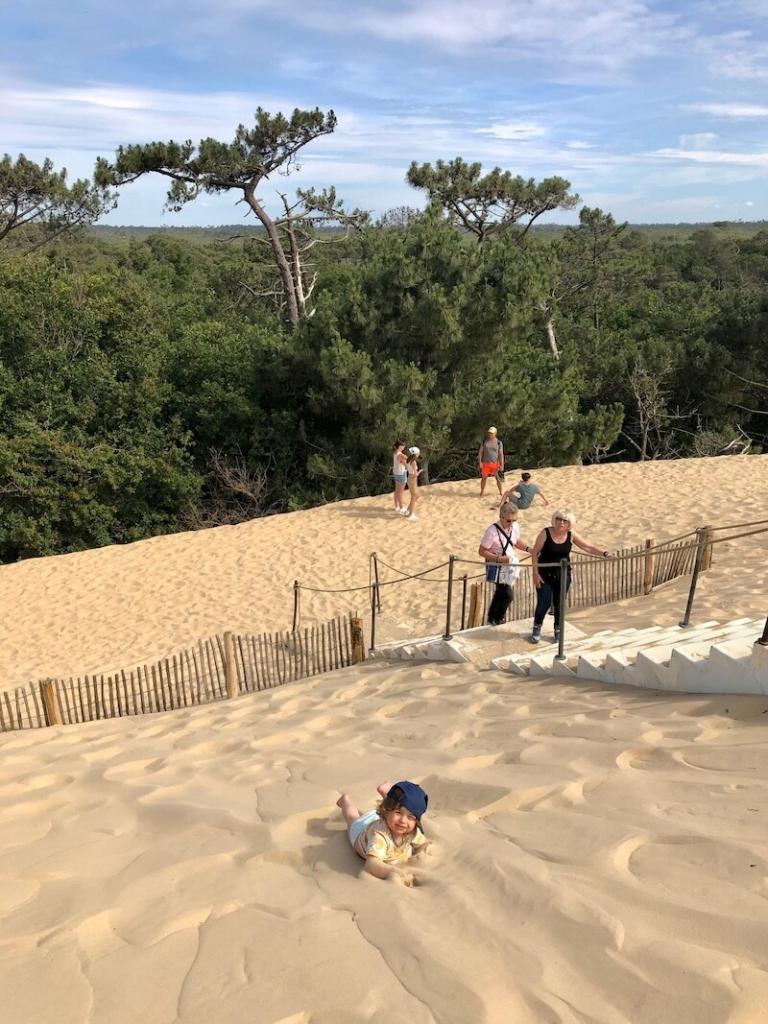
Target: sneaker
point(411, 515)
point(535, 634)
point(402, 511)
point(557, 634)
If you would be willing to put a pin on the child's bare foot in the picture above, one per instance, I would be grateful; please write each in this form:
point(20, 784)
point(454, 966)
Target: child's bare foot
point(383, 788)
point(348, 809)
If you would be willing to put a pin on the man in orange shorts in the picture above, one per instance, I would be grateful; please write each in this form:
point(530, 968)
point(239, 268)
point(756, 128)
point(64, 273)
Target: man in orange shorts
point(490, 458)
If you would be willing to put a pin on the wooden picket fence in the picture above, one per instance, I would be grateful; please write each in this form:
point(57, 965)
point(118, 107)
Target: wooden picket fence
point(595, 581)
point(215, 669)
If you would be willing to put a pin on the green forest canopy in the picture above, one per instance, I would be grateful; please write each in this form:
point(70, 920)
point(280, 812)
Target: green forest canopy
point(152, 381)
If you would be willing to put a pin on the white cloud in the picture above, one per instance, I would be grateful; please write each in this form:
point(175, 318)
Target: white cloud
point(519, 131)
point(737, 55)
point(587, 33)
point(578, 144)
point(699, 140)
point(715, 157)
point(734, 110)
point(51, 117)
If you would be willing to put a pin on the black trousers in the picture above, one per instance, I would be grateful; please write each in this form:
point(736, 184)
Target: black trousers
point(502, 599)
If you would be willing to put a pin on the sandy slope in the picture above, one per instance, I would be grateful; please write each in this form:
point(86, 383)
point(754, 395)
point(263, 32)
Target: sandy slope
point(601, 855)
point(115, 607)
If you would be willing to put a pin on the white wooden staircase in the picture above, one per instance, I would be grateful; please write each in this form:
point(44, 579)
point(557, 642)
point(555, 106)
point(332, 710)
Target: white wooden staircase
point(707, 658)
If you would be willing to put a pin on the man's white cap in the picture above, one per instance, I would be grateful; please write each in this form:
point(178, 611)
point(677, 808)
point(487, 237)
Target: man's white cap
point(492, 430)
point(414, 451)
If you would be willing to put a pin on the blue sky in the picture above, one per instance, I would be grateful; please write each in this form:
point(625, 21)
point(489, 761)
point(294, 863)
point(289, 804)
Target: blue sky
point(654, 111)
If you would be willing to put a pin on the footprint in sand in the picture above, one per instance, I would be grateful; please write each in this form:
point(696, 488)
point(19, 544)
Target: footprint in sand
point(652, 737)
point(640, 758)
point(549, 798)
point(404, 709)
point(534, 731)
point(136, 769)
point(46, 782)
point(479, 761)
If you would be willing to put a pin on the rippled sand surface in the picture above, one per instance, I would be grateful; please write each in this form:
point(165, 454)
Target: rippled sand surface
point(600, 854)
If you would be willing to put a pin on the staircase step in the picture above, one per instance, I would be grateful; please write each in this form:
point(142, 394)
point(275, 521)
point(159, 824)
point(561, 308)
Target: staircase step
point(592, 666)
point(614, 665)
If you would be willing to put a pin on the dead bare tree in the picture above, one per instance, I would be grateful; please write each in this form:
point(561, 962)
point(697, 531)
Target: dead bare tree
point(236, 494)
point(654, 430)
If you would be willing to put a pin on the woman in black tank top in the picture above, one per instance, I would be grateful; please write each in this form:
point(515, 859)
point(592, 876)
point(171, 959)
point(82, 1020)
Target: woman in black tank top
point(552, 551)
point(554, 544)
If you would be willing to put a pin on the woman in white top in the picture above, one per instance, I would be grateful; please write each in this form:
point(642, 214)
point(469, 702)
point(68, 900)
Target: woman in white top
point(400, 475)
point(497, 548)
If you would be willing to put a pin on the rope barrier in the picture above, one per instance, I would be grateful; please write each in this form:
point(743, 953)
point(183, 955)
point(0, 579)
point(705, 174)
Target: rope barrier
point(738, 536)
point(409, 576)
point(734, 526)
point(662, 547)
point(386, 583)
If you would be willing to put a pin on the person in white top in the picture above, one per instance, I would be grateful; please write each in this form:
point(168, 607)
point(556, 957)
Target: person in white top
point(413, 480)
point(399, 475)
point(497, 548)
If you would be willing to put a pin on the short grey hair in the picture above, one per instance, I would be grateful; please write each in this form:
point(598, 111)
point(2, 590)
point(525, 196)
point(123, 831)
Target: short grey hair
point(564, 513)
point(507, 507)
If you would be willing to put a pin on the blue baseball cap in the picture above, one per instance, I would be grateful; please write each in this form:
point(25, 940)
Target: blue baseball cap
point(410, 796)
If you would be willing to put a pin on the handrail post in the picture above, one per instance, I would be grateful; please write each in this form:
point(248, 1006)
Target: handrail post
point(295, 605)
point(464, 579)
point(763, 641)
point(447, 633)
point(560, 656)
point(702, 536)
point(374, 602)
point(376, 579)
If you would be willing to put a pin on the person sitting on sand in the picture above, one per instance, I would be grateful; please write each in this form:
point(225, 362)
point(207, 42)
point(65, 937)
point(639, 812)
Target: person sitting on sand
point(386, 838)
point(552, 545)
point(523, 493)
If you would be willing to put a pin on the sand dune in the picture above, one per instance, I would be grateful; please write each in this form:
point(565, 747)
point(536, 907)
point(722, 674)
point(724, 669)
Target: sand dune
point(600, 856)
point(114, 607)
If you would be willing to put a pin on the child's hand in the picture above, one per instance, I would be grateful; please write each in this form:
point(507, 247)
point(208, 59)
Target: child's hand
point(406, 878)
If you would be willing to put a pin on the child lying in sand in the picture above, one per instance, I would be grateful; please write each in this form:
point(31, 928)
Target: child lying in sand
point(389, 836)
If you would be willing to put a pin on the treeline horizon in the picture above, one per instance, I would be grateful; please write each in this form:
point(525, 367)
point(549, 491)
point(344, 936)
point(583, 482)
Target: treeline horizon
point(165, 382)
point(672, 229)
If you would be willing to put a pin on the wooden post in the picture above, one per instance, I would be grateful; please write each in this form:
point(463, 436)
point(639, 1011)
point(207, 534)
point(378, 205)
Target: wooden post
point(230, 669)
point(472, 605)
point(296, 597)
point(476, 606)
point(706, 561)
point(650, 558)
point(358, 644)
point(50, 702)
